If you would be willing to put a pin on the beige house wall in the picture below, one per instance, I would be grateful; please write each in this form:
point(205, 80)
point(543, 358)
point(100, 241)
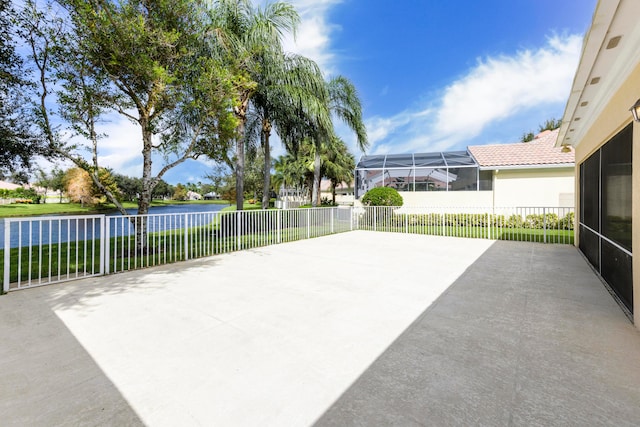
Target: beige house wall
point(552, 187)
point(448, 199)
point(613, 118)
point(548, 187)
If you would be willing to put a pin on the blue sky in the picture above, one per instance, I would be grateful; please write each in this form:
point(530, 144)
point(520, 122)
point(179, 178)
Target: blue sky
point(432, 75)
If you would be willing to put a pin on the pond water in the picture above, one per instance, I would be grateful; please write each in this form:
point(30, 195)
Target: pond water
point(87, 227)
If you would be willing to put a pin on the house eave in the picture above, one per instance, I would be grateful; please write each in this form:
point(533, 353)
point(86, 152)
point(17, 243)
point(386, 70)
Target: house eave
point(540, 166)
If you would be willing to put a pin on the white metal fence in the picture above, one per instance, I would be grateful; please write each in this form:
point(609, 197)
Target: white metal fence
point(44, 250)
point(533, 224)
point(40, 251)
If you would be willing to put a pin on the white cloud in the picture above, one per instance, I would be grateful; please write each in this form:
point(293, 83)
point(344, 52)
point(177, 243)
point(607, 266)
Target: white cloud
point(121, 148)
point(495, 89)
point(314, 31)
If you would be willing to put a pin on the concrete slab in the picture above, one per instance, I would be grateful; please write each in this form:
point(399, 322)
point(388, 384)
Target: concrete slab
point(361, 328)
point(527, 336)
point(267, 337)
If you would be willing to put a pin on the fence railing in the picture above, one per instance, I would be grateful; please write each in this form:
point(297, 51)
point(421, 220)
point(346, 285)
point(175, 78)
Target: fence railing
point(44, 250)
point(39, 251)
point(533, 224)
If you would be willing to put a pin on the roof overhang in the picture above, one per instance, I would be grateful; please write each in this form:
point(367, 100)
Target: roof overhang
point(514, 167)
point(610, 52)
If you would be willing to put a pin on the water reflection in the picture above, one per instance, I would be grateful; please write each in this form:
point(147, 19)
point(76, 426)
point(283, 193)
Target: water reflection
point(49, 229)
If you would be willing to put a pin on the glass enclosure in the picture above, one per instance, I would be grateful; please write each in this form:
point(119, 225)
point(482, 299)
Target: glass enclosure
point(448, 171)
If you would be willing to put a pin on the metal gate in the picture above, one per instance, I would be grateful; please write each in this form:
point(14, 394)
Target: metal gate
point(44, 250)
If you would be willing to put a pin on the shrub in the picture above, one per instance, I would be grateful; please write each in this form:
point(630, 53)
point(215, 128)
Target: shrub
point(566, 223)
point(382, 196)
point(539, 221)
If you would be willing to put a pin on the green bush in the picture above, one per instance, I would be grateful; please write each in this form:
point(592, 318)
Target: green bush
point(567, 222)
point(382, 196)
point(532, 221)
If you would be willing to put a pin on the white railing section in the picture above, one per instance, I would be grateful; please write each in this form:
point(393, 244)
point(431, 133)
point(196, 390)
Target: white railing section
point(44, 250)
point(40, 251)
point(532, 224)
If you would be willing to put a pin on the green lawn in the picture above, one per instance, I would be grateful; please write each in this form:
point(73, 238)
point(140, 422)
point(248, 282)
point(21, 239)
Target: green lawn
point(516, 234)
point(60, 261)
point(246, 206)
point(18, 210)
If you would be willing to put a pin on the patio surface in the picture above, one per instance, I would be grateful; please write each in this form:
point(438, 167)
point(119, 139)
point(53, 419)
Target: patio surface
point(359, 328)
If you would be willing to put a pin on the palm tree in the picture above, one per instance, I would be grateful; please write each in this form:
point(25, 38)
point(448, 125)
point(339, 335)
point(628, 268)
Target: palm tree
point(291, 171)
point(289, 86)
point(343, 102)
point(249, 33)
point(338, 164)
point(297, 169)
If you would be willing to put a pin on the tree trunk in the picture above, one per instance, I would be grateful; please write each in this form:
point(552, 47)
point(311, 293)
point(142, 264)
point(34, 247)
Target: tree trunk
point(241, 113)
point(144, 201)
point(266, 189)
point(315, 191)
point(240, 167)
point(333, 193)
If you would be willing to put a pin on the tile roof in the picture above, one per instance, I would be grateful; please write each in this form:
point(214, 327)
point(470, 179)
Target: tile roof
point(8, 185)
point(540, 151)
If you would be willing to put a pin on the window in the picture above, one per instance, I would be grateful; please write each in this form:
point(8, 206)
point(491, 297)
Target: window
point(463, 179)
point(486, 180)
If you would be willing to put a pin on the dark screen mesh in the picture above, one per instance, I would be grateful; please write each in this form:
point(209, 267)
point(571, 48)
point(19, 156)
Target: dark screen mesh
point(616, 188)
point(486, 180)
point(590, 183)
point(590, 246)
point(617, 271)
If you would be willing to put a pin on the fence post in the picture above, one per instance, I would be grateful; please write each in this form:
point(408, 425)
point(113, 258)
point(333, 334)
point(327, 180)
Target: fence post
point(238, 226)
point(309, 223)
point(105, 246)
point(375, 218)
point(489, 225)
point(7, 254)
point(406, 223)
point(334, 211)
point(353, 218)
point(186, 236)
point(279, 225)
point(544, 227)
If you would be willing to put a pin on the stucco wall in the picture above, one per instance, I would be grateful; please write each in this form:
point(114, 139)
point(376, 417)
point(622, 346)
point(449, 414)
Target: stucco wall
point(553, 187)
point(447, 199)
point(613, 118)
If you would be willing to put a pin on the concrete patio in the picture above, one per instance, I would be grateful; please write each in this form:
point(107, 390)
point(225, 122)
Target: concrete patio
point(359, 328)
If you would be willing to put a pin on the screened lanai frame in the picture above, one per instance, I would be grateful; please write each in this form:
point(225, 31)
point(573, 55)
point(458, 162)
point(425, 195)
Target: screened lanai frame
point(439, 171)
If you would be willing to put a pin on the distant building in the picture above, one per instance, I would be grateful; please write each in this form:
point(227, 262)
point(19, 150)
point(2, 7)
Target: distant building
point(211, 196)
point(4, 185)
point(531, 174)
point(192, 195)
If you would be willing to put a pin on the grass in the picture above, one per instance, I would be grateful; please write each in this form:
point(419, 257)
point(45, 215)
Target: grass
point(246, 206)
point(503, 233)
point(77, 259)
point(68, 260)
point(18, 210)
